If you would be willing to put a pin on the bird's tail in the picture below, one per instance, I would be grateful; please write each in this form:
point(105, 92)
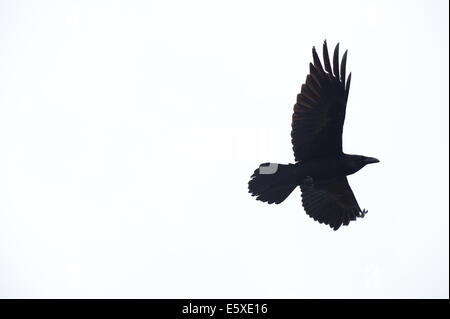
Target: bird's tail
point(272, 183)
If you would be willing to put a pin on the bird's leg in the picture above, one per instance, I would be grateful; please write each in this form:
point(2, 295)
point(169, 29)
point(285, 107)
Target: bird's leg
point(308, 181)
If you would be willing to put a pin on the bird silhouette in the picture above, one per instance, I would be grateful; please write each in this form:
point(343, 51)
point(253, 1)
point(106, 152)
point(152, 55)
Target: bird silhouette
point(321, 167)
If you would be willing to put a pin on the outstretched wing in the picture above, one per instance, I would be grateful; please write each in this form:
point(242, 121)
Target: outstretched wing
point(331, 202)
point(319, 113)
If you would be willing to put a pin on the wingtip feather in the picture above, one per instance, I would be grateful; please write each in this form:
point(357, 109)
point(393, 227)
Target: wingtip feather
point(336, 61)
point(326, 57)
point(343, 66)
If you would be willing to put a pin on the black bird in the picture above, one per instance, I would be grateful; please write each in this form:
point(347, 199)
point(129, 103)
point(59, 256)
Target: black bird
point(321, 166)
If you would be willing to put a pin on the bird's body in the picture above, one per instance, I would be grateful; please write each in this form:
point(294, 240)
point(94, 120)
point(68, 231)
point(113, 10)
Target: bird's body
point(321, 167)
point(326, 168)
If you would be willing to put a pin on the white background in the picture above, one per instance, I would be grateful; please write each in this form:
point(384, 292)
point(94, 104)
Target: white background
point(129, 130)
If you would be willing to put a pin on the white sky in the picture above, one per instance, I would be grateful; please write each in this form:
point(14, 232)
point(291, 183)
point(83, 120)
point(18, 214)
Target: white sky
point(129, 130)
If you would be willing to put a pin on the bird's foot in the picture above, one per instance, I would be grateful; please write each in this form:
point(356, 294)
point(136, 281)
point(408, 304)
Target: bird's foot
point(363, 213)
point(308, 181)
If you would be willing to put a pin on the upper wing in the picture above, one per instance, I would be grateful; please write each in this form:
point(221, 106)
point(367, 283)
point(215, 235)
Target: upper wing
point(331, 202)
point(319, 113)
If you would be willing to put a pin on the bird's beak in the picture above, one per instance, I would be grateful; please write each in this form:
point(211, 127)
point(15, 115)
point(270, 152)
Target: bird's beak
point(371, 160)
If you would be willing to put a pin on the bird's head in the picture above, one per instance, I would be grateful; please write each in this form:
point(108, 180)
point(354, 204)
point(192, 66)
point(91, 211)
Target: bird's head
point(355, 162)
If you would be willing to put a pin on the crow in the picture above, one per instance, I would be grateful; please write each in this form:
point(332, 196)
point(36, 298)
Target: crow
point(321, 167)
